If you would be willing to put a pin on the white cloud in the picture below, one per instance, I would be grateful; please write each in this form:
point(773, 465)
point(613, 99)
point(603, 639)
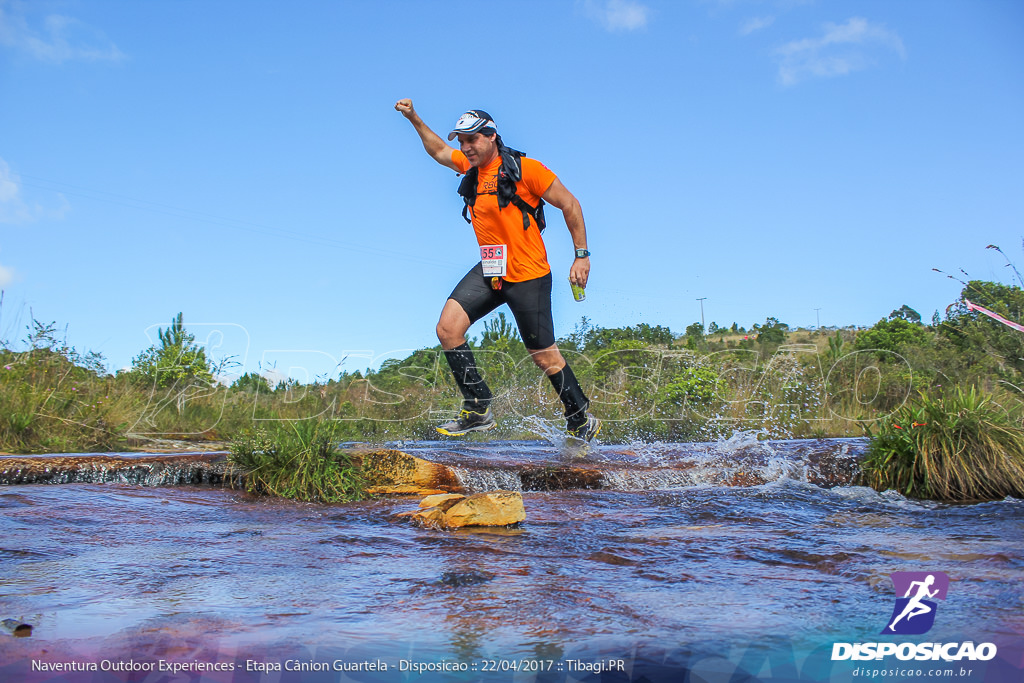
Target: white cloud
point(756, 24)
point(842, 49)
point(15, 210)
point(6, 276)
point(617, 15)
point(59, 38)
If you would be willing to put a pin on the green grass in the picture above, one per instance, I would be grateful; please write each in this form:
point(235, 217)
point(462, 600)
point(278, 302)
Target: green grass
point(48, 403)
point(298, 460)
point(961, 446)
point(53, 399)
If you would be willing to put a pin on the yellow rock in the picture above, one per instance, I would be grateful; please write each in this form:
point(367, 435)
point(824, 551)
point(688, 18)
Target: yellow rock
point(390, 471)
point(441, 500)
point(429, 517)
point(495, 508)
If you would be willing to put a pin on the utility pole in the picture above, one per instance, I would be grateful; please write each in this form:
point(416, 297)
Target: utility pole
point(703, 329)
point(818, 315)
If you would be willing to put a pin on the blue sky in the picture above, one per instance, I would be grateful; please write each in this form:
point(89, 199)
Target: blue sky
point(241, 162)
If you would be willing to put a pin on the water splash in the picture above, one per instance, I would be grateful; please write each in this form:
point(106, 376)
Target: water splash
point(742, 439)
point(545, 430)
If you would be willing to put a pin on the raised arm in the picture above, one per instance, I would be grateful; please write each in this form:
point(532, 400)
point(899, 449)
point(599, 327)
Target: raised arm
point(438, 150)
point(560, 198)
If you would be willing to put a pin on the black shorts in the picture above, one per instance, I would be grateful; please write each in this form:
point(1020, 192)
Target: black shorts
point(529, 301)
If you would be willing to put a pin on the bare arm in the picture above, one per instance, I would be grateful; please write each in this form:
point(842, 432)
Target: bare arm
point(432, 142)
point(560, 198)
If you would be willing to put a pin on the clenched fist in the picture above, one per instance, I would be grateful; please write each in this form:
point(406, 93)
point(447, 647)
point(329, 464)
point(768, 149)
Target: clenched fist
point(405, 107)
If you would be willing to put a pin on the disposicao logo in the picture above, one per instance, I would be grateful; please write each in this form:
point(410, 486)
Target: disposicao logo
point(914, 613)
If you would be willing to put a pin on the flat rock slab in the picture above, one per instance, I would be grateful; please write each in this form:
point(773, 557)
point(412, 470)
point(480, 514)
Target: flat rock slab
point(425, 471)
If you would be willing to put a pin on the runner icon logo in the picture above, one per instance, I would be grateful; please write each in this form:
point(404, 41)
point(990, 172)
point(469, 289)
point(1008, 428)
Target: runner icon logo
point(914, 612)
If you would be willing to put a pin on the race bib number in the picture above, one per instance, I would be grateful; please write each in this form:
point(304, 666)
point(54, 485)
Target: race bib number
point(494, 258)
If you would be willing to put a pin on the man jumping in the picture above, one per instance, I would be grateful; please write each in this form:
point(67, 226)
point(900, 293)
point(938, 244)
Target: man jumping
point(504, 192)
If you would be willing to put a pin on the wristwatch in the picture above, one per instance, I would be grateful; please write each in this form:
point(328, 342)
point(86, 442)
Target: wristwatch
point(582, 253)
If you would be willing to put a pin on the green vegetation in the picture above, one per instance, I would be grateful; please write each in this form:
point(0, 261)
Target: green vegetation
point(178, 361)
point(52, 399)
point(250, 382)
point(298, 460)
point(960, 446)
point(645, 382)
point(891, 335)
point(981, 340)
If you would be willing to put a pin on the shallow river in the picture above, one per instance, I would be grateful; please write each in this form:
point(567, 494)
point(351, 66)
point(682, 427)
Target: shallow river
point(664, 581)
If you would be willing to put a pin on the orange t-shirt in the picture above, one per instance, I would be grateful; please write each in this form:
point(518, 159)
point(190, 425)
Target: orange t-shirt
point(527, 257)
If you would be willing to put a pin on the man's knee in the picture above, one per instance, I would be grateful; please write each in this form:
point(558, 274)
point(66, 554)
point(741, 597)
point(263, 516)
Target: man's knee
point(549, 360)
point(452, 326)
point(448, 334)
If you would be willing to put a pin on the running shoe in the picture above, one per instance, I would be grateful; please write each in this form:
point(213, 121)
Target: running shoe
point(586, 431)
point(468, 421)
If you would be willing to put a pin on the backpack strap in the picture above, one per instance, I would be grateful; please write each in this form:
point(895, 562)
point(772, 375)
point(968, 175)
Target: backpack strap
point(467, 189)
point(536, 211)
point(509, 174)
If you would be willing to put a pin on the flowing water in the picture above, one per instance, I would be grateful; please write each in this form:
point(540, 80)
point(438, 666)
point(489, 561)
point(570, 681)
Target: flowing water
point(683, 573)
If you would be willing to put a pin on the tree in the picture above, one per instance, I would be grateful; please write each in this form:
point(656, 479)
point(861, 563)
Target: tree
point(973, 333)
point(178, 361)
point(907, 313)
point(694, 336)
point(252, 382)
point(772, 332)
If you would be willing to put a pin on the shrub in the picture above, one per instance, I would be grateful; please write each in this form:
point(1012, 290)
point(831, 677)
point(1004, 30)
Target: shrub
point(298, 460)
point(962, 446)
point(891, 335)
point(691, 385)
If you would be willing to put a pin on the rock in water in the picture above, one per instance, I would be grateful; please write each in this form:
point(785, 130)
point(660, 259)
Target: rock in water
point(494, 508)
point(432, 517)
point(445, 501)
point(452, 511)
point(16, 628)
point(390, 471)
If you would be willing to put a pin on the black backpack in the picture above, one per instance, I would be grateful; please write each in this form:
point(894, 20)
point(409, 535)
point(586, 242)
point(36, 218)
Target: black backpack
point(509, 174)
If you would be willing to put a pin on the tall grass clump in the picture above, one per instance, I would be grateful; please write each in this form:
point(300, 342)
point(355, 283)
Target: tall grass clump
point(54, 400)
point(961, 446)
point(298, 459)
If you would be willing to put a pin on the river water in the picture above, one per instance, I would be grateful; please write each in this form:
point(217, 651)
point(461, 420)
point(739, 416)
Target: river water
point(663, 578)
